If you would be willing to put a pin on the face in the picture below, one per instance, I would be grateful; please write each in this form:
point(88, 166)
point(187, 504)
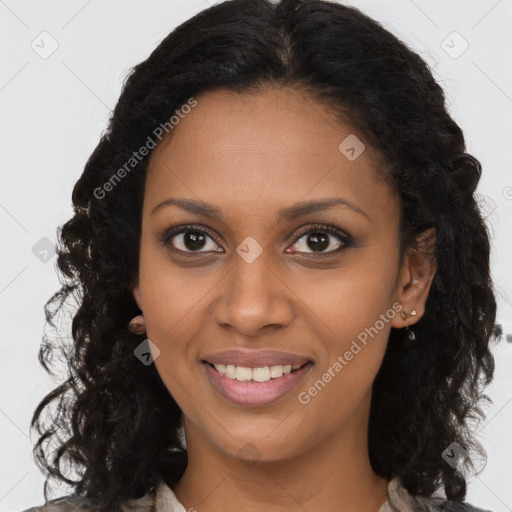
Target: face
point(267, 272)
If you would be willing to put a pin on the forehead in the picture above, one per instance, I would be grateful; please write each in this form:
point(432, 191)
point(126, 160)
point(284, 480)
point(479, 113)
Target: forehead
point(276, 146)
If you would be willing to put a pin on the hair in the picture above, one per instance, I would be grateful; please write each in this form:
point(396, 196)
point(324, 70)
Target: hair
point(112, 420)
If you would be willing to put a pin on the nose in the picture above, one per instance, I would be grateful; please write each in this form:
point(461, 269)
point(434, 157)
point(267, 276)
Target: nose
point(252, 297)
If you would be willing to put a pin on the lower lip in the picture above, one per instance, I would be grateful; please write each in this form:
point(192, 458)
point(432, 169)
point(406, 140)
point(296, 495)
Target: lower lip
point(255, 394)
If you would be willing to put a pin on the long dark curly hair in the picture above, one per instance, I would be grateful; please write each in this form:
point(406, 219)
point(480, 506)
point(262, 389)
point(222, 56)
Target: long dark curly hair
point(112, 421)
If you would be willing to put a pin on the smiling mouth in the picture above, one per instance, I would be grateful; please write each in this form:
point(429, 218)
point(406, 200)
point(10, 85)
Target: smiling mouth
point(255, 387)
point(258, 374)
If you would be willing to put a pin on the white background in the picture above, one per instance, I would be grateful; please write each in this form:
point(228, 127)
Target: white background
point(53, 111)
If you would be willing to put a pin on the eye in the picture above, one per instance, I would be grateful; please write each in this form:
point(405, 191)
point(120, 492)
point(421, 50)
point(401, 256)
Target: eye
point(318, 238)
point(190, 239)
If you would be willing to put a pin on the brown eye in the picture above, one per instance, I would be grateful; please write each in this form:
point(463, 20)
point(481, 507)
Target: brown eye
point(318, 239)
point(190, 239)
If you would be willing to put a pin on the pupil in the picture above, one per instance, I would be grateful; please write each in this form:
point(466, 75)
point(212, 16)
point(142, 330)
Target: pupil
point(321, 240)
point(193, 240)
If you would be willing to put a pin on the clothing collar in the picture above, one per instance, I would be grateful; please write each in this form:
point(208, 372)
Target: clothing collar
point(398, 499)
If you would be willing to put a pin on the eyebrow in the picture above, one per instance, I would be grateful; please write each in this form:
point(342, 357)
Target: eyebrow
point(297, 210)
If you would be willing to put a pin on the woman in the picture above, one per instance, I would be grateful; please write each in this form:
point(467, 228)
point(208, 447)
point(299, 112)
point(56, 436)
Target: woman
point(277, 253)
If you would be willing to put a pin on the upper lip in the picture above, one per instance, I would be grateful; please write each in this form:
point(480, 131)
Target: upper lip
point(255, 358)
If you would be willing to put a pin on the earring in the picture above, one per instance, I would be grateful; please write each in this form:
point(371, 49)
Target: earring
point(405, 315)
point(410, 333)
point(137, 325)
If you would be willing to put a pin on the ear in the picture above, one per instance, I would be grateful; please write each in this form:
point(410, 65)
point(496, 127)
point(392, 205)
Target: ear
point(136, 295)
point(415, 277)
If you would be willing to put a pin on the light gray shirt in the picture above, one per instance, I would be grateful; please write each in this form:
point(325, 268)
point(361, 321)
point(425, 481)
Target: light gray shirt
point(164, 500)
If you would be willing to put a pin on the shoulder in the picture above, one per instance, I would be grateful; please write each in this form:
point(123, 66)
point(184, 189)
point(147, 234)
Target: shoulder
point(399, 499)
point(67, 504)
point(76, 503)
point(439, 504)
point(444, 505)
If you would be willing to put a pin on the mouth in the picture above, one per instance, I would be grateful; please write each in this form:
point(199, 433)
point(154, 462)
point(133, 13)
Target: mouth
point(255, 387)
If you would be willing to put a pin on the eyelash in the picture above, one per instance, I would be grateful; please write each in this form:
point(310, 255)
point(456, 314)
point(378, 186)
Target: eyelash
point(327, 229)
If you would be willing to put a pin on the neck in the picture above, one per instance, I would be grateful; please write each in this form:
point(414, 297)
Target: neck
point(331, 475)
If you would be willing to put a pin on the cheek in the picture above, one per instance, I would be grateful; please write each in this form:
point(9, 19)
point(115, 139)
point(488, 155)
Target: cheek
point(171, 295)
point(172, 300)
point(352, 309)
point(354, 339)
point(347, 301)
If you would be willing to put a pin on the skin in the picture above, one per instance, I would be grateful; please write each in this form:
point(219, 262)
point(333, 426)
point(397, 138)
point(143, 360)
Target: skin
point(250, 156)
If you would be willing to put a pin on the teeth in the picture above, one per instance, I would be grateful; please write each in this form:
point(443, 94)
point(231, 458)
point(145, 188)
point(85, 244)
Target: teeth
point(276, 371)
point(243, 373)
point(230, 371)
point(262, 374)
